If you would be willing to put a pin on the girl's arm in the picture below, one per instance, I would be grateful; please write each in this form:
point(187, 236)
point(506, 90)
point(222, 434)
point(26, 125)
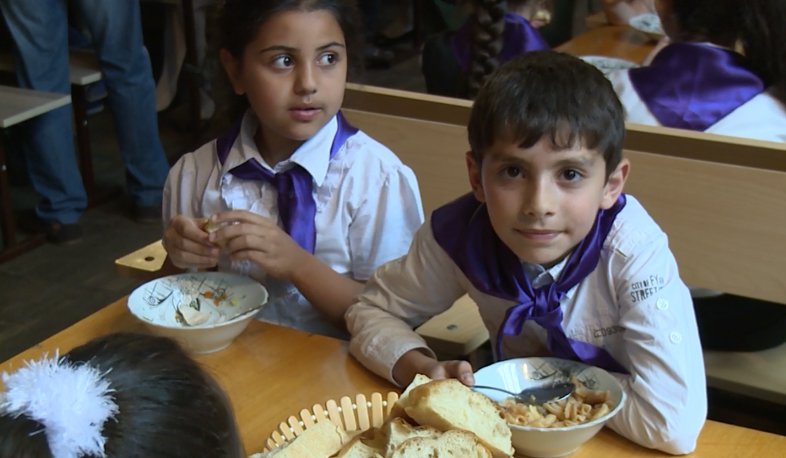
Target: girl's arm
point(667, 399)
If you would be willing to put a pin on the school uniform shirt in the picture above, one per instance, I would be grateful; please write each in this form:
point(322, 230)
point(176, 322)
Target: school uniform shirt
point(367, 209)
point(633, 305)
point(762, 118)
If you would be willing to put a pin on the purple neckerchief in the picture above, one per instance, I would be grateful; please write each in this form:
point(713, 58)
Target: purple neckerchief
point(295, 185)
point(517, 38)
point(463, 229)
point(693, 86)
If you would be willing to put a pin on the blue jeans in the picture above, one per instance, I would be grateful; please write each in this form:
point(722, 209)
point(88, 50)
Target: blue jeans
point(40, 32)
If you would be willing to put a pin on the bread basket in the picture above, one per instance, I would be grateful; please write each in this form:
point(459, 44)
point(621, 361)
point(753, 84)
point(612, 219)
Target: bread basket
point(358, 414)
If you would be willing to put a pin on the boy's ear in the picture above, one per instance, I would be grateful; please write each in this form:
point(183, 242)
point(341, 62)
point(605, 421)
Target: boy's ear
point(615, 183)
point(475, 180)
point(232, 68)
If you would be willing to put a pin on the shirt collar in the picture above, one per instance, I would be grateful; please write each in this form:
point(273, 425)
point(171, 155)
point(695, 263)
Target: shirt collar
point(540, 276)
point(313, 155)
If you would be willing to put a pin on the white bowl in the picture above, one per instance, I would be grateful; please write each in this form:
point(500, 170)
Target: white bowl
point(517, 374)
point(608, 64)
point(648, 23)
point(225, 297)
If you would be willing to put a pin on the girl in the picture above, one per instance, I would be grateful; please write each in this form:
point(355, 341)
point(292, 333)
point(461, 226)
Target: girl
point(457, 64)
point(315, 204)
point(724, 71)
point(137, 395)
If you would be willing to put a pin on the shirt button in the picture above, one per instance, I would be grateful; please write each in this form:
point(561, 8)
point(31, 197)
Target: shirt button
point(662, 304)
point(675, 337)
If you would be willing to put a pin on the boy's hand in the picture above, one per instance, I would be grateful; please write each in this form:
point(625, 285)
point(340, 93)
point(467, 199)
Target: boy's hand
point(415, 362)
point(187, 243)
point(261, 241)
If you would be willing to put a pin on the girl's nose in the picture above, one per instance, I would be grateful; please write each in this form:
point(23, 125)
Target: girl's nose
point(306, 82)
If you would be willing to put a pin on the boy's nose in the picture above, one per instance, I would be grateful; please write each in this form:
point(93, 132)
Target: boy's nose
point(306, 82)
point(539, 201)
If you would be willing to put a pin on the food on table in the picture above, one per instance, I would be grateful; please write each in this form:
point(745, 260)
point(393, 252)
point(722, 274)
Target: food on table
point(451, 443)
point(582, 406)
point(322, 440)
point(189, 311)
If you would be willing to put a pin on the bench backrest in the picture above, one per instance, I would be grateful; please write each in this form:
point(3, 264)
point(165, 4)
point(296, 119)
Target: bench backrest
point(721, 200)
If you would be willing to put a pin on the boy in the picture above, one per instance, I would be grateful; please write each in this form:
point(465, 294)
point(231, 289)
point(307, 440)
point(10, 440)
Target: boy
point(558, 260)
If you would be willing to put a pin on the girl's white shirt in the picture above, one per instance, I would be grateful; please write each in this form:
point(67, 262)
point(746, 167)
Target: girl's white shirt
point(368, 208)
point(762, 118)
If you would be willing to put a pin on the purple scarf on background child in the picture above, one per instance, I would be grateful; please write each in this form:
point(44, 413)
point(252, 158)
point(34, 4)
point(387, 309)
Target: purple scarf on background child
point(295, 185)
point(693, 86)
point(463, 229)
point(517, 38)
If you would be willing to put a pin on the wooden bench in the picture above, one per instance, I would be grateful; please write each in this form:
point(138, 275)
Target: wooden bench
point(17, 106)
point(83, 70)
point(720, 200)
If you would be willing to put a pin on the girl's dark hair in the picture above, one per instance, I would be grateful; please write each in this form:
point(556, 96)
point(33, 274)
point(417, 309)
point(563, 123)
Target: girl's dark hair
point(551, 95)
point(487, 43)
point(239, 22)
point(759, 26)
point(168, 406)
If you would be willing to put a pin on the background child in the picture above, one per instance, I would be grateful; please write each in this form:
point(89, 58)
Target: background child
point(621, 11)
point(137, 395)
point(346, 203)
point(724, 71)
point(457, 64)
point(557, 259)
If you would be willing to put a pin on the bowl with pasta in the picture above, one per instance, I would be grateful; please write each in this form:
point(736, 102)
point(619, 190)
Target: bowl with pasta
point(554, 428)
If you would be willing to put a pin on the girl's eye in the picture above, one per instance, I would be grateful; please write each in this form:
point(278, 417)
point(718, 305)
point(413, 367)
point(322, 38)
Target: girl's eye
point(512, 172)
point(571, 175)
point(282, 62)
point(327, 59)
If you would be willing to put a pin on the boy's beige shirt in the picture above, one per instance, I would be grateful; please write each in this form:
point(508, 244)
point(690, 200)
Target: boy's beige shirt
point(634, 305)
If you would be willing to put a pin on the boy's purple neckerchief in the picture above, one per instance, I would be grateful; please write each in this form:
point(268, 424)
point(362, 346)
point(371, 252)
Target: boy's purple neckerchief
point(518, 38)
point(463, 229)
point(693, 86)
point(295, 185)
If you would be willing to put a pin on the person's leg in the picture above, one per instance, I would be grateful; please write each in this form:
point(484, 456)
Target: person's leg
point(40, 34)
point(117, 37)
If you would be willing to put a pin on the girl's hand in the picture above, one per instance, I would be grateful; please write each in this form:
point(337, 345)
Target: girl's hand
point(187, 243)
point(415, 362)
point(261, 241)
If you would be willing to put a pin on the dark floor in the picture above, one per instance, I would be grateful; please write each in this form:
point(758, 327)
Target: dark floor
point(50, 288)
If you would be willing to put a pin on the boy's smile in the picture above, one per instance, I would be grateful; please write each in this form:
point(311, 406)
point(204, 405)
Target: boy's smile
point(542, 201)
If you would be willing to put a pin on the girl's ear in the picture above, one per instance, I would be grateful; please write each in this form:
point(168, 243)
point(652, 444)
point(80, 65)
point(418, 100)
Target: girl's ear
point(232, 67)
point(615, 183)
point(475, 179)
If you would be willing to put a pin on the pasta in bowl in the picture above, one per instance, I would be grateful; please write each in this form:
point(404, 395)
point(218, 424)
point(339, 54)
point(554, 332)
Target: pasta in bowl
point(559, 428)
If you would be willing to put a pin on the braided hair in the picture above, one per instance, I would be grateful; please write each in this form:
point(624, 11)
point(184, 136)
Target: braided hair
point(488, 40)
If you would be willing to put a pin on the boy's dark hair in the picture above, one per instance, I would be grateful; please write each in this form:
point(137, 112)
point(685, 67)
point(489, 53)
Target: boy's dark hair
point(168, 406)
point(239, 22)
point(758, 25)
point(546, 94)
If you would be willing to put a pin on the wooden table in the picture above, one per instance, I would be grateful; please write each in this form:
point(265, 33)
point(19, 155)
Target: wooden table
point(272, 372)
point(619, 41)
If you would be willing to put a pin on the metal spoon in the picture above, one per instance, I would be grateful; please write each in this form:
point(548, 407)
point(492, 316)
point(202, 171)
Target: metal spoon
point(538, 395)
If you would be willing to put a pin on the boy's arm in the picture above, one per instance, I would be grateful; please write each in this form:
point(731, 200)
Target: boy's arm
point(621, 11)
point(399, 296)
point(667, 399)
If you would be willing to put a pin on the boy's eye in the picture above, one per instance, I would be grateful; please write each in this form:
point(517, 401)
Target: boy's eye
point(571, 175)
point(327, 59)
point(282, 62)
point(512, 172)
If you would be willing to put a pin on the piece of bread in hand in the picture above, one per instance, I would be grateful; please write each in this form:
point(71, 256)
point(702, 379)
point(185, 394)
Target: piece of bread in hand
point(322, 440)
point(397, 431)
point(449, 404)
point(454, 443)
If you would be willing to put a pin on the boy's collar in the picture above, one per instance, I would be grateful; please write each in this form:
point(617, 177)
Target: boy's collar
point(313, 155)
point(534, 271)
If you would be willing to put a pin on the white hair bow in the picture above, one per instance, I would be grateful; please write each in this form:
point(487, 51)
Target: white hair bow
point(72, 401)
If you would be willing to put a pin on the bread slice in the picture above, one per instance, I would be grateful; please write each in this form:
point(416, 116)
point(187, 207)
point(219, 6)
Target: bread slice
point(322, 440)
point(398, 409)
point(454, 443)
point(357, 448)
point(397, 431)
point(449, 404)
